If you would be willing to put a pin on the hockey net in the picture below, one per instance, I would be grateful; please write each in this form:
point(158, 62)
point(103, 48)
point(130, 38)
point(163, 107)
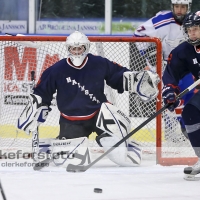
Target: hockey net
point(161, 138)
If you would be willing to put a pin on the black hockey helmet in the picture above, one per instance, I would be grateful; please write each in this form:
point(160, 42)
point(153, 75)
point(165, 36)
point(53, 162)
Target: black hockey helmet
point(192, 19)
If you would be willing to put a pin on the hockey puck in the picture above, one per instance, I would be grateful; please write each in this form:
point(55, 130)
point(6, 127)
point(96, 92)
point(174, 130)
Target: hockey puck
point(98, 190)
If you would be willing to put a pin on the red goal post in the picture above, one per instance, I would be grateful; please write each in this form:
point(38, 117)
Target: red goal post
point(22, 54)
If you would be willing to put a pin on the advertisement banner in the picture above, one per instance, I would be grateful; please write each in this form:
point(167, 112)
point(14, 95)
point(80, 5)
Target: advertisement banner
point(88, 27)
point(67, 27)
point(14, 27)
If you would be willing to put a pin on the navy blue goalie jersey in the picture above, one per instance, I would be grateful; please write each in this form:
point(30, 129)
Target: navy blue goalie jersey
point(183, 60)
point(80, 91)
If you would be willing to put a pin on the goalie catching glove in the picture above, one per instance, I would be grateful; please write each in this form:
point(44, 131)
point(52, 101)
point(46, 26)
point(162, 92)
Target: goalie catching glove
point(33, 114)
point(144, 84)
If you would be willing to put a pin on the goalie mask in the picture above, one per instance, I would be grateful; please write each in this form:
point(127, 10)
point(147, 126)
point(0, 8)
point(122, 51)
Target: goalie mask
point(78, 47)
point(179, 18)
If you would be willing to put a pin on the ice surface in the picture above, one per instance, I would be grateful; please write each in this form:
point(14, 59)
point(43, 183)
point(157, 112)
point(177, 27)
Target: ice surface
point(149, 181)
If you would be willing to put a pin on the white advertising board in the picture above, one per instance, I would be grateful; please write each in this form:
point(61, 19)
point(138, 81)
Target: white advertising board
point(67, 27)
point(13, 27)
point(88, 27)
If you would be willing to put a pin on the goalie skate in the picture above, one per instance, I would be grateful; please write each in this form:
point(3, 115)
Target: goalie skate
point(191, 173)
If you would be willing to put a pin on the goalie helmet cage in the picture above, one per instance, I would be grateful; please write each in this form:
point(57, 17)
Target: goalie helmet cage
point(161, 138)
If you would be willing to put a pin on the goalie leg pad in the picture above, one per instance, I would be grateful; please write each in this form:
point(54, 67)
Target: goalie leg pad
point(112, 120)
point(70, 151)
point(126, 156)
point(116, 125)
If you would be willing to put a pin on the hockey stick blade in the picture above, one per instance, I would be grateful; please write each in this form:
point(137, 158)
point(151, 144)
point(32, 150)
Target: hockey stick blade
point(45, 163)
point(83, 168)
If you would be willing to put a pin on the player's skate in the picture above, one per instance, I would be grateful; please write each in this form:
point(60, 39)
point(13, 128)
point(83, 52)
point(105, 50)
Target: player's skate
point(191, 172)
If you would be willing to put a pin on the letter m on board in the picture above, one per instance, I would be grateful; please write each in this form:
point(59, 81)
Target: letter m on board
point(12, 61)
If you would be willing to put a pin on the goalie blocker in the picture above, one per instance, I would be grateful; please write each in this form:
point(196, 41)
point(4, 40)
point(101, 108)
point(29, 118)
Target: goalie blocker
point(33, 114)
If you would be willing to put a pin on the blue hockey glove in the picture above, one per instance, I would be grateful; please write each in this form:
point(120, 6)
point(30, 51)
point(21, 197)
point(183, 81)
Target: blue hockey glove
point(169, 93)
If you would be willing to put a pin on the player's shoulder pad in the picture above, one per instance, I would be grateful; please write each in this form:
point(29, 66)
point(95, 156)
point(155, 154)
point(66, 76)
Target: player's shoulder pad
point(184, 50)
point(183, 46)
point(163, 12)
point(96, 58)
point(163, 18)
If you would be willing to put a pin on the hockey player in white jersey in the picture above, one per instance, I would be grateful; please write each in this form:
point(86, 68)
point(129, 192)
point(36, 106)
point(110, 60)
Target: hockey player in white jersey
point(78, 81)
point(167, 25)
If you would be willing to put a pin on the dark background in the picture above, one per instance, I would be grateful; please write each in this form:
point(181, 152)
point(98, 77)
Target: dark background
point(83, 9)
point(96, 8)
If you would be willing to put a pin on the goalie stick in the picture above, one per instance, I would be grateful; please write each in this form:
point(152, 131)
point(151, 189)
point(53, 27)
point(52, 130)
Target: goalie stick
point(83, 168)
point(35, 135)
